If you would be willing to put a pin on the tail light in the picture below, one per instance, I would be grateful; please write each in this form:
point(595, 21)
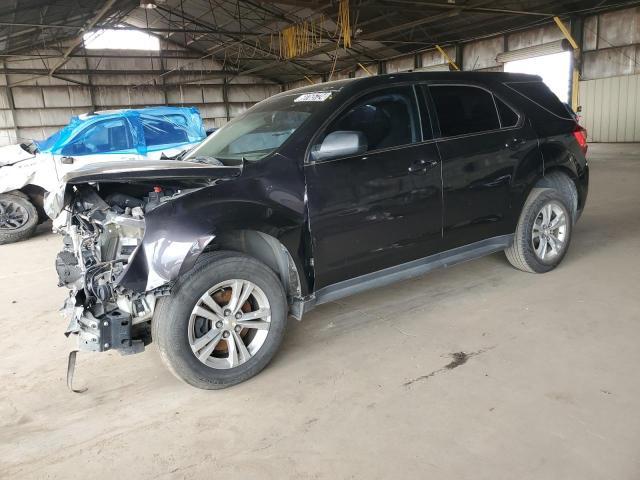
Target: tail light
point(580, 134)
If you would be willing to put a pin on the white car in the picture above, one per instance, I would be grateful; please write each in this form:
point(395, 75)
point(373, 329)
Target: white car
point(29, 170)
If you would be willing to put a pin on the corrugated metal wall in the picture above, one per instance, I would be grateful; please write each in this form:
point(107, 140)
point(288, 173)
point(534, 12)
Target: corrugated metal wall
point(611, 108)
point(35, 105)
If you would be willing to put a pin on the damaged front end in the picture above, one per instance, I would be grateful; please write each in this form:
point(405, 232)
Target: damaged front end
point(113, 262)
point(99, 239)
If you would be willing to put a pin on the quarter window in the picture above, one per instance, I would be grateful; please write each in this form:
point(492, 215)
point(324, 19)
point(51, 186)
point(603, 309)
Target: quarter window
point(387, 118)
point(508, 118)
point(540, 94)
point(462, 110)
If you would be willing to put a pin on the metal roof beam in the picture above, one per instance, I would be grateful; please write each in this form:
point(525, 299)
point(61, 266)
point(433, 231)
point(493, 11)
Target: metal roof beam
point(468, 8)
point(237, 39)
point(44, 71)
point(78, 40)
point(453, 12)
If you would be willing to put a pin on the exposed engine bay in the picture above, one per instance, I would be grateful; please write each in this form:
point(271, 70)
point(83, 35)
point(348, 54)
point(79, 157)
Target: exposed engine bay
point(101, 231)
point(127, 238)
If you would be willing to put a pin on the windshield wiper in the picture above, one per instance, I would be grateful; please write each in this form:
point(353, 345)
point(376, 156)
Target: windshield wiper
point(206, 160)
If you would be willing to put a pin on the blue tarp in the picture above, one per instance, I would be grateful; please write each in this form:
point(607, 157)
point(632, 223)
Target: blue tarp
point(127, 131)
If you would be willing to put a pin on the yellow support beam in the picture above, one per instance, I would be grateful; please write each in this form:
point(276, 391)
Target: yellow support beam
point(365, 69)
point(447, 57)
point(565, 31)
point(575, 79)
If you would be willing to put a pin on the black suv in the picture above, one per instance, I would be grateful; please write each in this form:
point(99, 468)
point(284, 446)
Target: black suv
point(312, 195)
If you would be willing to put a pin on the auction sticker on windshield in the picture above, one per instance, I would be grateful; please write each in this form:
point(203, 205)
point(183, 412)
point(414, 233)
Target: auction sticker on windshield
point(313, 97)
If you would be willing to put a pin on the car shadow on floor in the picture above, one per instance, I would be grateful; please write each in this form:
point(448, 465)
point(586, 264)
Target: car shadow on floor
point(594, 232)
point(43, 229)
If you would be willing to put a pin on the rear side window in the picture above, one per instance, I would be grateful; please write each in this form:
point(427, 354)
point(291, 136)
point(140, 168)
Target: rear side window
point(541, 95)
point(464, 109)
point(164, 130)
point(508, 118)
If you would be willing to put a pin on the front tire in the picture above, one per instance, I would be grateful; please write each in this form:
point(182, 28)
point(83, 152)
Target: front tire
point(223, 322)
point(18, 218)
point(543, 233)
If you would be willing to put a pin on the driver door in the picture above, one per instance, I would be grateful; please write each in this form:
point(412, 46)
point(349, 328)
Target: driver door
point(103, 141)
point(380, 208)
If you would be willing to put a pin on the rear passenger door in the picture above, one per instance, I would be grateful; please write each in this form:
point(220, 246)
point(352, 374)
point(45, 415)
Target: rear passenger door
point(381, 207)
point(166, 135)
point(482, 141)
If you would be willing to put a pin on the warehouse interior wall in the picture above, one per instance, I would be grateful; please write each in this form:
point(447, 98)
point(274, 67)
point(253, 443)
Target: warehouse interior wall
point(610, 81)
point(34, 104)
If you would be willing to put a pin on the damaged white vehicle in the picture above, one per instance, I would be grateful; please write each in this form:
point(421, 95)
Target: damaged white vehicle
point(31, 169)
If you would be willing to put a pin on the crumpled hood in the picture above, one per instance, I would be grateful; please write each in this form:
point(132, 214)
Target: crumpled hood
point(11, 154)
point(195, 174)
point(135, 170)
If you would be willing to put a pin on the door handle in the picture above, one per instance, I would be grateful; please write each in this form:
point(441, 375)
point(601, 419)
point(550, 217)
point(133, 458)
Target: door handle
point(514, 143)
point(67, 160)
point(422, 166)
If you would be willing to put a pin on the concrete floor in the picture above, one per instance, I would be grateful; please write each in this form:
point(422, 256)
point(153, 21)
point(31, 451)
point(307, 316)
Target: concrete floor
point(361, 388)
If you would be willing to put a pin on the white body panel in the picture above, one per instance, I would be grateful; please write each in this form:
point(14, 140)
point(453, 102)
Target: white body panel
point(19, 168)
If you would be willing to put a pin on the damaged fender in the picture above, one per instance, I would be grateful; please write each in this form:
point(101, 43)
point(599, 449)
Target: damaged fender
point(174, 240)
point(38, 170)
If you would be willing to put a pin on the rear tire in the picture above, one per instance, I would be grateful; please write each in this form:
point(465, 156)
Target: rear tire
point(206, 339)
point(18, 218)
point(543, 233)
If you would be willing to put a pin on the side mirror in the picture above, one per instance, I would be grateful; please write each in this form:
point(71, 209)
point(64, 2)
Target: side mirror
point(67, 160)
point(340, 144)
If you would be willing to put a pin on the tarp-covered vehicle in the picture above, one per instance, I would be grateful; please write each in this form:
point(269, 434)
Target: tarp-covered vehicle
point(29, 170)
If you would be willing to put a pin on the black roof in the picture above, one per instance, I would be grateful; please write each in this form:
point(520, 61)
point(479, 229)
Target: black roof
point(374, 80)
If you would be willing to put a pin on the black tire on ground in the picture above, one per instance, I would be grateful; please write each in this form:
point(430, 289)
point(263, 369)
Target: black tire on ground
point(171, 319)
point(9, 234)
point(521, 254)
point(564, 185)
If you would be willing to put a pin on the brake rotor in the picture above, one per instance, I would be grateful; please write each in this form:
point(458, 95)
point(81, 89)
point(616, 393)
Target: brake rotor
point(223, 297)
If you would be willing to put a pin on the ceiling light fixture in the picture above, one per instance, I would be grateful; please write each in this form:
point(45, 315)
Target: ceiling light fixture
point(148, 4)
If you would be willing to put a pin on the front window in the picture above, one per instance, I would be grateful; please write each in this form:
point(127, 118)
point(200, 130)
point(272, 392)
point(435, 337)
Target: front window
point(262, 129)
point(386, 118)
point(107, 136)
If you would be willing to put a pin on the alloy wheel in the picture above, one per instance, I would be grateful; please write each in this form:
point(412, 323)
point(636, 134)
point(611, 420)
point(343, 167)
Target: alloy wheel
point(229, 324)
point(12, 215)
point(549, 233)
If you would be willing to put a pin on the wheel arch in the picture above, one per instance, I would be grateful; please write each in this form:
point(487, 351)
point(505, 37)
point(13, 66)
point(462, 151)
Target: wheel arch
point(173, 241)
point(560, 161)
point(270, 251)
point(35, 194)
point(559, 156)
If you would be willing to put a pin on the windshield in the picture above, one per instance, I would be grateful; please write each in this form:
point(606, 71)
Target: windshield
point(260, 130)
point(47, 144)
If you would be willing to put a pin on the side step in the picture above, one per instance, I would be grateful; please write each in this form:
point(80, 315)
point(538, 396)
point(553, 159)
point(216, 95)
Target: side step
point(409, 270)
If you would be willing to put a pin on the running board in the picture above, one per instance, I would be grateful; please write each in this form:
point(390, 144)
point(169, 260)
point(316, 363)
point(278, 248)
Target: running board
point(408, 270)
